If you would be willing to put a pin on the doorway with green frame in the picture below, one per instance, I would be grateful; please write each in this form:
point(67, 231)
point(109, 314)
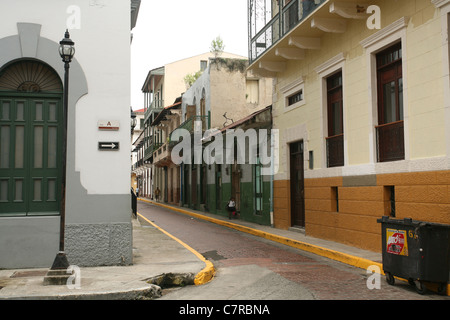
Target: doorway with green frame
point(30, 139)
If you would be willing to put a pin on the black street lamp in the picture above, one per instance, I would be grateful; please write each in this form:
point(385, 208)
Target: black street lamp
point(66, 51)
point(133, 120)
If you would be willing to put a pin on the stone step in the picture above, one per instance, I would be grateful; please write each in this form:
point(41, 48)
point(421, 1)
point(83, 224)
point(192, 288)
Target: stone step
point(56, 277)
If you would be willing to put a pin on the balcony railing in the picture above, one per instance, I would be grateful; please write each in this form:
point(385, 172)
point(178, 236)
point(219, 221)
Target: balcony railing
point(156, 106)
point(150, 149)
point(391, 141)
point(148, 152)
point(335, 151)
point(137, 164)
point(278, 25)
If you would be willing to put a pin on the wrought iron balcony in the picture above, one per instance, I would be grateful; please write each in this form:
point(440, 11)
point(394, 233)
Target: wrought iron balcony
point(137, 165)
point(160, 154)
point(335, 151)
point(391, 141)
point(148, 153)
point(268, 25)
point(156, 106)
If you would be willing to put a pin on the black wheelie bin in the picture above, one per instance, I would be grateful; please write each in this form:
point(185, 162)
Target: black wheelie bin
point(417, 251)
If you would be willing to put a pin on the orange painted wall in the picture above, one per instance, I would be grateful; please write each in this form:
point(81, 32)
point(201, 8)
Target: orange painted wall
point(421, 196)
point(281, 204)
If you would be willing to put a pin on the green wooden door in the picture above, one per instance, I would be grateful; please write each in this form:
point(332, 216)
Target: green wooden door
point(30, 153)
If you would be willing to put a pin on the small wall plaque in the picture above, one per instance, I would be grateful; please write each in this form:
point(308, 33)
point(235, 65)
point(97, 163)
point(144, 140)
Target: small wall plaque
point(108, 125)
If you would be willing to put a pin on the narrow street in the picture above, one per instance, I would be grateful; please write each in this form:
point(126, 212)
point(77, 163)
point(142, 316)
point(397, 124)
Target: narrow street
point(252, 268)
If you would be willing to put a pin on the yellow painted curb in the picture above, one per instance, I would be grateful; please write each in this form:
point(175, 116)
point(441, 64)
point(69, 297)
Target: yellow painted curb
point(207, 273)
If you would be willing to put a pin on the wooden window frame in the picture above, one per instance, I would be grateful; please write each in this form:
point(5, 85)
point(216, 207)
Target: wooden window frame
point(390, 134)
point(291, 90)
point(331, 90)
point(295, 98)
point(396, 67)
point(335, 139)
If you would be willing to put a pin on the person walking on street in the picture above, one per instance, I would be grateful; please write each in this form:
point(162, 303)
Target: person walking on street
point(231, 207)
point(157, 192)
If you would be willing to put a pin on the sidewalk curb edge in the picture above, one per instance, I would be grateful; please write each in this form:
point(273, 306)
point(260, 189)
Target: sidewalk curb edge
point(207, 273)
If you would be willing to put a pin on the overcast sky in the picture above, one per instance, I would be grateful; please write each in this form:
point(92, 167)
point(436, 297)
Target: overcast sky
point(168, 31)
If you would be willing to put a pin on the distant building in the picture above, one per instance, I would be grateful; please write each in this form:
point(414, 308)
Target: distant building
point(221, 98)
point(243, 181)
point(162, 86)
point(137, 136)
point(167, 173)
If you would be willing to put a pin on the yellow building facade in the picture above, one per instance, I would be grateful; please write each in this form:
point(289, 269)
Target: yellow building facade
point(362, 105)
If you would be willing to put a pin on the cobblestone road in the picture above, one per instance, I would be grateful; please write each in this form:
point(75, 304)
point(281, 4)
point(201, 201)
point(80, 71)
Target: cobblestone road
point(233, 252)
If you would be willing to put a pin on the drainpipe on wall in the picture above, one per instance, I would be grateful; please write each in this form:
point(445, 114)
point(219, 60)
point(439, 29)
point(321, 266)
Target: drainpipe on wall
point(271, 185)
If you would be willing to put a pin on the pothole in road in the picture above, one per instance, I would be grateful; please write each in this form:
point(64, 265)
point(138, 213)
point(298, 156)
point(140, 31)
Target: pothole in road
point(171, 280)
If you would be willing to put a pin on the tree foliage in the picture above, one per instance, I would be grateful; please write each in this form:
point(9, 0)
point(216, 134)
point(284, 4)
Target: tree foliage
point(217, 47)
point(190, 78)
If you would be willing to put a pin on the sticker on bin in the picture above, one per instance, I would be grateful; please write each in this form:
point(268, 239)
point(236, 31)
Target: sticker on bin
point(396, 242)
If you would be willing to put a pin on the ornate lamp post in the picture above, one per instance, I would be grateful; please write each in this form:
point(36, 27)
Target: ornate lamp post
point(133, 120)
point(66, 51)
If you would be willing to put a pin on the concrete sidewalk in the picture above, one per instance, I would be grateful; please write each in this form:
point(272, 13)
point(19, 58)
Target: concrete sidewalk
point(155, 252)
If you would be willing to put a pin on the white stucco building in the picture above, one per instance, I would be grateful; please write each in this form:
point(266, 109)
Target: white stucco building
point(98, 212)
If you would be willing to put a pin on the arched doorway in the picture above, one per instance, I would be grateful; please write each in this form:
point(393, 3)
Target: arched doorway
point(30, 139)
